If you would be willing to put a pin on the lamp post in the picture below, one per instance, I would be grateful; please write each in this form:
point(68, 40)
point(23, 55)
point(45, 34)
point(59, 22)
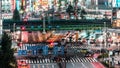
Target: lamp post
point(44, 23)
point(105, 34)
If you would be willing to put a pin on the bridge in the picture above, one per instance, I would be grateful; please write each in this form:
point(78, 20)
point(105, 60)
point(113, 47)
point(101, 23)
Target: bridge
point(83, 24)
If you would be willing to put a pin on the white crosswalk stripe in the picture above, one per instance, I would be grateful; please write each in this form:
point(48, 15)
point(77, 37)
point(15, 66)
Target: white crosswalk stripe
point(47, 60)
point(86, 47)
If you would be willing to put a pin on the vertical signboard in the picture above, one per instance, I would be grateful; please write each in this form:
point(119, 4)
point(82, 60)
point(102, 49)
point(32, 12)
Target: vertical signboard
point(13, 5)
point(24, 36)
point(18, 4)
point(115, 3)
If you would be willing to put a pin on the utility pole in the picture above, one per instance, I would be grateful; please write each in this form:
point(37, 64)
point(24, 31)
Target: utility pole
point(14, 30)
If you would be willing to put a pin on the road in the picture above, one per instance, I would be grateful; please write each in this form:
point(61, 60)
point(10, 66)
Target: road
point(69, 65)
point(73, 62)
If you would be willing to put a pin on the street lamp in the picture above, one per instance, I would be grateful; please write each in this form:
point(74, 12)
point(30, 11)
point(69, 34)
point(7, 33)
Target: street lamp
point(105, 34)
point(44, 23)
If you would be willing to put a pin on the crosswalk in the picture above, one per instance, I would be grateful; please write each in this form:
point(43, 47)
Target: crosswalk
point(53, 65)
point(86, 47)
point(25, 46)
point(47, 60)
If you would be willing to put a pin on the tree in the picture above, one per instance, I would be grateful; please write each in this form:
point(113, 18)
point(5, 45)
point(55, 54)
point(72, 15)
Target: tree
point(83, 12)
point(76, 10)
point(70, 10)
point(16, 15)
point(7, 60)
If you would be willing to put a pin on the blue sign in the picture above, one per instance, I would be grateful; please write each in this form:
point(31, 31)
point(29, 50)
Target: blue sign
point(22, 52)
point(55, 50)
point(18, 4)
point(62, 50)
point(34, 52)
point(19, 52)
point(29, 47)
point(117, 3)
point(45, 50)
point(34, 47)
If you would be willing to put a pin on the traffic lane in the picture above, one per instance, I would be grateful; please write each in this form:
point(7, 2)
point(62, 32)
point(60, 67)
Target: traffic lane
point(79, 65)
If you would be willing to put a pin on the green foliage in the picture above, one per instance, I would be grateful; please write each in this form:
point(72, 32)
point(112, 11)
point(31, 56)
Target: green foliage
point(105, 64)
point(16, 15)
point(7, 56)
point(6, 43)
point(70, 9)
point(83, 12)
point(104, 55)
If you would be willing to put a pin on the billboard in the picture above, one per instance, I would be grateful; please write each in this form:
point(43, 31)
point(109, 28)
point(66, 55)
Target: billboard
point(24, 36)
point(105, 3)
point(115, 3)
point(116, 17)
point(44, 4)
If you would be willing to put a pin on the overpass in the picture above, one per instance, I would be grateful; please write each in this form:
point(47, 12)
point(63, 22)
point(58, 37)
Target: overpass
point(82, 24)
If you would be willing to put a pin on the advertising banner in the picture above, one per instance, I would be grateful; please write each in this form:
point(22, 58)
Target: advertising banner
point(115, 3)
point(24, 36)
point(118, 14)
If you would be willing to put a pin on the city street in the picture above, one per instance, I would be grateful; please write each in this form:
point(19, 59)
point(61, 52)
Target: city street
point(72, 63)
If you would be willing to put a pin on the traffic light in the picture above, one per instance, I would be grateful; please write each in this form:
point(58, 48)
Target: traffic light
point(51, 44)
point(20, 44)
point(22, 27)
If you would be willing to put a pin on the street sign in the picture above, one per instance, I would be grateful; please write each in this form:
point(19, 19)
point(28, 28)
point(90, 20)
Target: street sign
point(22, 52)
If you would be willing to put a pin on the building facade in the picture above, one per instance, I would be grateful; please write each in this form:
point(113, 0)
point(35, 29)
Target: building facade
point(33, 5)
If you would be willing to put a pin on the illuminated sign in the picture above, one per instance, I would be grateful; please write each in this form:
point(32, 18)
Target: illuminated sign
point(44, 4)
point(116, 3)
point(118, 14)
point(24, 36)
